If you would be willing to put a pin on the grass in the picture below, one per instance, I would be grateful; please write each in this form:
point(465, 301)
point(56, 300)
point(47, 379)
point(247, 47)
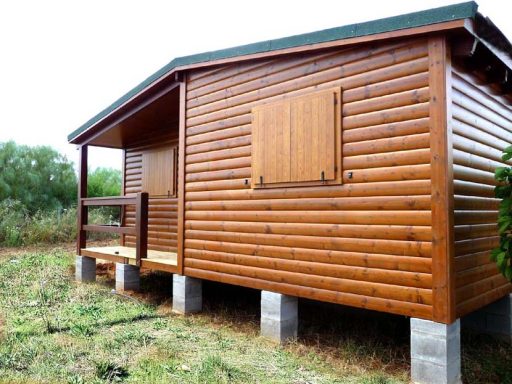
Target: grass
point(55, 330)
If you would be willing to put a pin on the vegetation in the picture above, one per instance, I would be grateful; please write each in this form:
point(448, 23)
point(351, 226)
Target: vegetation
point(502, 255)
point(53, 330)
point(37, 177)
point(38, 196)
point(104, 182)
point(58, 331)
point(18, 227)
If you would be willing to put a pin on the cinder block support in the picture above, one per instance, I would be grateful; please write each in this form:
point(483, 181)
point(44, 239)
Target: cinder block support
point(435, 352)
point(85, 269)
point(279, 316)
point(494, 319)
point(187, 294)
point(127, 277)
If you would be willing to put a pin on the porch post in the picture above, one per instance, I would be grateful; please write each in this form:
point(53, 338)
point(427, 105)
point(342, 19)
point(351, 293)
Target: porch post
point(82, 192)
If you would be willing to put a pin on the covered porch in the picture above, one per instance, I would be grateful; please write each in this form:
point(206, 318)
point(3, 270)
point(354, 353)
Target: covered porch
point(147, 131)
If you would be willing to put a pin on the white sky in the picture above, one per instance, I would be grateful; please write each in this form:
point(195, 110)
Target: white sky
point(61, 62)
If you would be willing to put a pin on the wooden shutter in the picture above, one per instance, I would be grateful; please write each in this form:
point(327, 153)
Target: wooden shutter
point(297, 141)
point(271, 144)
point(158, 172)
point(313, 137)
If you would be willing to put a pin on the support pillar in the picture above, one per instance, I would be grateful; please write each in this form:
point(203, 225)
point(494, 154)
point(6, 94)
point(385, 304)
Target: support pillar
point(435, 352)
point(494, 319)
point(127, 277)
point(279, 316)
point(187, 294)
point(85, 269)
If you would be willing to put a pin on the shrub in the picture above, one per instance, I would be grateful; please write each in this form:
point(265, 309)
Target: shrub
point(13, 216)
point(18, 228)
point(502, 254)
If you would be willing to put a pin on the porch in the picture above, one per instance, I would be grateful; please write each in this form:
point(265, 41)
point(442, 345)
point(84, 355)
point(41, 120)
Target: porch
point(148, 135)
point(139, 255)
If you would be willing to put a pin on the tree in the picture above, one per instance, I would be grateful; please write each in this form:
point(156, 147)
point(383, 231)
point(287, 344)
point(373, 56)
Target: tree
point(104, 182)
point(39, 177)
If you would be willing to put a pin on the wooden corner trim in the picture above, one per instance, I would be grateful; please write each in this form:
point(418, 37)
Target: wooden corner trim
point(181, 174)
point(441, 149)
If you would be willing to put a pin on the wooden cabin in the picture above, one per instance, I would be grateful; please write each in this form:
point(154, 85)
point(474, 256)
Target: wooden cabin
point(352, 165)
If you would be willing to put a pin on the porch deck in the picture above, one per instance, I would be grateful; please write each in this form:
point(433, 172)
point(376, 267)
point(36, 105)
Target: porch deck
point(157, 260)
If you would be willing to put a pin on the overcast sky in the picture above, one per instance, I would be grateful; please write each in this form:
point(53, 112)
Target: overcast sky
point(64, 61)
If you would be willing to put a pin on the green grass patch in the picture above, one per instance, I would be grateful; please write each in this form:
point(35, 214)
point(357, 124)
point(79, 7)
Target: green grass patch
point(53, 329)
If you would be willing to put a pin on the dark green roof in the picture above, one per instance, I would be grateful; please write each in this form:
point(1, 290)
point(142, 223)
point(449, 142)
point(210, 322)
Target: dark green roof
point(411, 20)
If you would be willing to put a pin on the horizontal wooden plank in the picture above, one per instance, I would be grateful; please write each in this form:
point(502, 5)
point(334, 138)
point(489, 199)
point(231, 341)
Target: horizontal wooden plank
point(465, 85)
point(107, 201)
point(220, 134)
point(391, 144)
point(224, 174)
point(379, 103)
point(473, 175)
point(395, 188)
point(391, 232)
point(404, 279)
point(468, 306)
point(475, 203)
point(219, 144)
point(389, 159)
point(475, 217)
point(218, 155)
point(392, 247)
point(466, 188)
point(387, 87)
point(386, 116)
point(463, 247)
point(346, 203)
point(359, 259)
point(414, 295)
point(396, 173)
point(472, 260)
point(109, 229)
point(326, 217)
point(480, 287)
point(237, 162)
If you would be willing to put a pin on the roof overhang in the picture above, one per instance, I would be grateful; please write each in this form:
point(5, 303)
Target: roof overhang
point(459, 17)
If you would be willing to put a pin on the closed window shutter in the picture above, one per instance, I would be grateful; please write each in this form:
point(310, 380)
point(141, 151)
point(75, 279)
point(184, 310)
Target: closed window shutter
point(297, 141)
point(271, 143)
point(158, 172)
point(313, 138)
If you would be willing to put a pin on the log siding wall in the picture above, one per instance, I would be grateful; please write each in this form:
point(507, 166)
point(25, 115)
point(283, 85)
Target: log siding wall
point(482, 128)
point(162, 212)
point(366, 243)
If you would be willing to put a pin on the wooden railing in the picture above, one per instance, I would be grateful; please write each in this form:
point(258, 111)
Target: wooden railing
point(140, 231)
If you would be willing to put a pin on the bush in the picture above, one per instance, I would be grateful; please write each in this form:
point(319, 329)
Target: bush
point(13, 216)
point(18, 228)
